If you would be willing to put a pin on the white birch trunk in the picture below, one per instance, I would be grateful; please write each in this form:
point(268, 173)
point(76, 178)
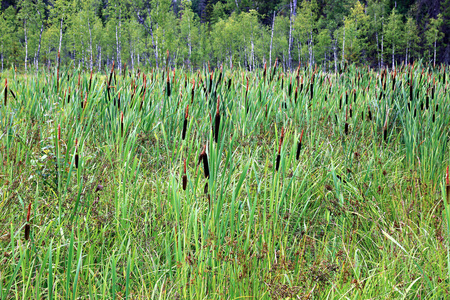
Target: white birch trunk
point(290, 36)
point(393, 51)
point(60, 41)
point(26, 43)
point(39, 45)
point(343, 46)
point(271, 40)
point(90, 46)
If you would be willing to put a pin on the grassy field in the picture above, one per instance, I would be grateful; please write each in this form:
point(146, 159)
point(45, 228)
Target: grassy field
point(225, 184)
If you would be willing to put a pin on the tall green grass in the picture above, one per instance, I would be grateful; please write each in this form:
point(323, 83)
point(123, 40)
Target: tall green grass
point(360, 214)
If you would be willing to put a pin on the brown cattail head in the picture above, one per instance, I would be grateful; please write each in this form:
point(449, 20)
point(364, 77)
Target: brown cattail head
point(27, 226)
point(183, 132)
point(59, 132)
point(265, 71)
point(168, 91)
point(90, 82)
point(277, 165)
point(299, 147)
point(217, 122)
point(76, 153)
point(184, 176)
point(204, 157)
point(121, 123)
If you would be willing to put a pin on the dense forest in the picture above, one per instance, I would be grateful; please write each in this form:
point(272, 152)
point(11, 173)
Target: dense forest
point(93, 34)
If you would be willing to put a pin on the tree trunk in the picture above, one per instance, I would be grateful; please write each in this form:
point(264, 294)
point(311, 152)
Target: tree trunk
point(189, 47)
point(434, 58)
point(60, 41)
point(271, 40)
point(311, 45)
point(253, 55)
point(39, 45)
point(90, 46)
point(26, 43)
point(393, 49)
point(378, 51)
point(290, 36)
point(343, 46)
point(382, 45)
point(335, 54)
point(99, 49)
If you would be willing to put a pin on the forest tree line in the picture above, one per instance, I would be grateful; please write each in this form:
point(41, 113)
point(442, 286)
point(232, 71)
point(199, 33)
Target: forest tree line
point(93, 34)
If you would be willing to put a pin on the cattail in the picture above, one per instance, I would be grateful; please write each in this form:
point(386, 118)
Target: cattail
point(118, 101)
point(90, 82)
point(204, 157)
point(6, 91)
point(265, 71)
point(121, 123)
point(311, 89)
point(301, 85)
point(168, 91)
point(144, 91)
point(277, 166)
point(76, 153)
point(184, 176)
point(217, 122)
point(274, 69)
point(59, 132)
point(299, 147)
point(27, 226)
point(183, 133)
point(290, 88)
point(354, 96)
point(220, 75)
